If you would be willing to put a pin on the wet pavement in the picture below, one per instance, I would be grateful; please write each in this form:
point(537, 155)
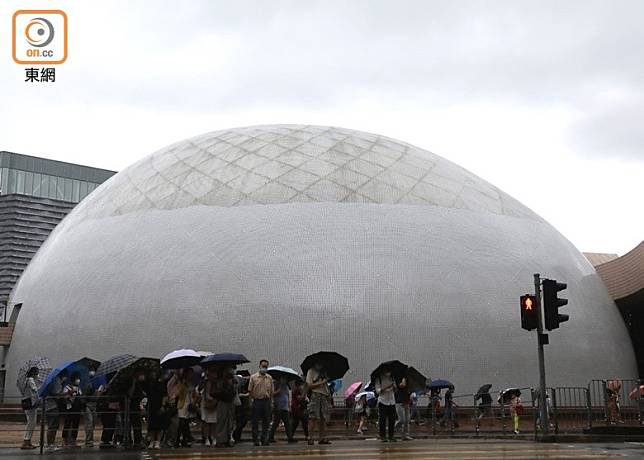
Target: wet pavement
point(422, 449)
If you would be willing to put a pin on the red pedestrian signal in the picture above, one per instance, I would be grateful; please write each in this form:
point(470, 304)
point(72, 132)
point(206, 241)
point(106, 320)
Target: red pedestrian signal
point(529, 313)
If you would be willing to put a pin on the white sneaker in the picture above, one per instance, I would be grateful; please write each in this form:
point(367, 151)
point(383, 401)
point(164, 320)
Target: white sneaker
point(156, 445)
point(207, 442)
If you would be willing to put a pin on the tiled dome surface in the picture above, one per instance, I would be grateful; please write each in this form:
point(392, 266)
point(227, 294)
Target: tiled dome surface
point(294, 163)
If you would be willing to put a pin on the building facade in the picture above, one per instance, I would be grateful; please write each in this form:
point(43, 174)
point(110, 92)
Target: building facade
point(35, 195)
point(278, 241)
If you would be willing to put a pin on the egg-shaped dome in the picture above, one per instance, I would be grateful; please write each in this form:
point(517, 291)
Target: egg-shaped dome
point(278, 241)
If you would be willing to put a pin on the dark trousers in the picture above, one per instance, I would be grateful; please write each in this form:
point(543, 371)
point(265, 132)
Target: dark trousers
point(183, 434)
point(304, 418)
point(281, 415)
point(241, 418)
point(108, 420)
point(386, 420)
point(261, 411)
point(70, 429)
point(136, 424)
point(53, 422)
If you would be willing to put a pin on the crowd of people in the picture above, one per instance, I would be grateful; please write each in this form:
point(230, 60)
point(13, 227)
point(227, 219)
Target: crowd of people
point(220, 399)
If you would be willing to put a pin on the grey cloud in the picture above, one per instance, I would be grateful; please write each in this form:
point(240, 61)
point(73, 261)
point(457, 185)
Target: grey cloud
point(317, 55)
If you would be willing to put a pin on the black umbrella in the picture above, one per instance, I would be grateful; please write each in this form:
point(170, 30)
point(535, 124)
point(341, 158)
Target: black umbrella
point(398, 370)
point(224, 359)
point(483, 390)
point(335, 365)
point(415, 380)
point(507, 394)
point(123, 377)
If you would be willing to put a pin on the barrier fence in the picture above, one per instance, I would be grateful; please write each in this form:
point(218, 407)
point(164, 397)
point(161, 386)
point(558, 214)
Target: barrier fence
point(87, 420)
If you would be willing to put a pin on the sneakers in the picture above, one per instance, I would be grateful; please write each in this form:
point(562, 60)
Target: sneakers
point(207, 443)
point(324, 441)
point(408, 438)
point(516, 431)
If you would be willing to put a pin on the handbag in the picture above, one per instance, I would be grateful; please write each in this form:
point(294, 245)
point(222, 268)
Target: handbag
point(26, 404)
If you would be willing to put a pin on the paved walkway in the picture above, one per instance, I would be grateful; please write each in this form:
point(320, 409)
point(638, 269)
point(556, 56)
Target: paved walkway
point(425, 449)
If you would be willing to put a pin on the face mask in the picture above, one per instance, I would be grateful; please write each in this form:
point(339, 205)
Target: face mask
point(92, 373)
point(263, 370)
point(77, 382)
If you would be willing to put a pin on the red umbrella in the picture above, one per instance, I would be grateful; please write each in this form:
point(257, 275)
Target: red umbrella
point(633, 394)
point(352, 390)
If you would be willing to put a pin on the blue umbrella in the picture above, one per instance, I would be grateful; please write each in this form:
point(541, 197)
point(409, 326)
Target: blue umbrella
point(225, 358)
point(440, 383)
point(79, 366)
point(335, 385)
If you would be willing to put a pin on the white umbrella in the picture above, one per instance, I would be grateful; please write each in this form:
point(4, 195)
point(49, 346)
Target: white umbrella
point(278, 371)
point(181, 358)
point(368, 394)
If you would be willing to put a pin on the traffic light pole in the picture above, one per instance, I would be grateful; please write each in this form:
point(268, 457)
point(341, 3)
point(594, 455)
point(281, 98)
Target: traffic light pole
point(541, 340)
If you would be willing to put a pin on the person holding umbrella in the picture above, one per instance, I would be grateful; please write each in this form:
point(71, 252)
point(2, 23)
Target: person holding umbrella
point(223, 391)
point(386, 388)
point(361, 409)
point(54, 406)
point(516, 410)
point(281, 409)
point(74, 408)
point(30, 406)
point(319, 405)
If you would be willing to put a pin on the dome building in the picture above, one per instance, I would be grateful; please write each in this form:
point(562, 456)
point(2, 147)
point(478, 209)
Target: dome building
point(278, 241)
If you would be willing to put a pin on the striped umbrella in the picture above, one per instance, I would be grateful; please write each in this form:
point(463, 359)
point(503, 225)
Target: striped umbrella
point(113, 365)
point(44, 368)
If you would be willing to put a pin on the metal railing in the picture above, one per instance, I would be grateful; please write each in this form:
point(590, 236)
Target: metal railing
point(59, 422)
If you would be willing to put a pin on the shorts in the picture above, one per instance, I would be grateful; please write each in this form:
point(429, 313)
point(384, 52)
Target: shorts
point(319, 406)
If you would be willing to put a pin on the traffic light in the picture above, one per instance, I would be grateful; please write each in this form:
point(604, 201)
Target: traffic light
point(529, 313)
point(551, 304)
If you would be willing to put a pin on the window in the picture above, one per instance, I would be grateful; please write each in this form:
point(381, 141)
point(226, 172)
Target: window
point(29, 183)
point(83, 189)
point(44, 185)
point(37, 184)
point(67, 195)
point(75, 191)
point(20, 182)
point(60, 188)
point(11, 183)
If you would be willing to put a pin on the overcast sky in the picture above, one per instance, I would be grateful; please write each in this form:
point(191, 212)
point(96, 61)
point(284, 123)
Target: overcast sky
point(543, 99)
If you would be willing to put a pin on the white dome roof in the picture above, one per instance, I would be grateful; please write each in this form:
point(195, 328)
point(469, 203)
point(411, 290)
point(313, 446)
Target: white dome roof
point(294, 163)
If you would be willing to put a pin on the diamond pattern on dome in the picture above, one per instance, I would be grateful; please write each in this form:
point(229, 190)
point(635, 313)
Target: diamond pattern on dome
point(276, 164)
